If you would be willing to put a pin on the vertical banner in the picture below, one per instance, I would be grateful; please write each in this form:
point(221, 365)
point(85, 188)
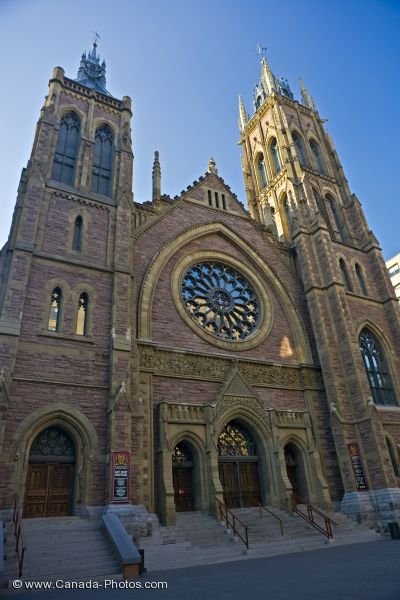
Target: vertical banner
point(120, 480)
point(357, 467)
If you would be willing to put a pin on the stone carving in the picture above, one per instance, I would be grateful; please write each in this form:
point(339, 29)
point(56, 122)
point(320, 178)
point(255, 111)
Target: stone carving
point(211, 368)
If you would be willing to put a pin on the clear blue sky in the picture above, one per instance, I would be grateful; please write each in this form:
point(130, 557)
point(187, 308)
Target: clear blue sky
point(184, 62)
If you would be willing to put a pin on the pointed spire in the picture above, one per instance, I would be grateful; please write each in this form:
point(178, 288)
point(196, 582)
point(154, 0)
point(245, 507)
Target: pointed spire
point(243, 115)
point(267, 78)
point(212, 167)
point(91, 73)
point(156, 177)
point(307, 100)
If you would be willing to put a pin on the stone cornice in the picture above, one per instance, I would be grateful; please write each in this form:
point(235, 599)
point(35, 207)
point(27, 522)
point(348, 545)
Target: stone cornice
point(207, 367)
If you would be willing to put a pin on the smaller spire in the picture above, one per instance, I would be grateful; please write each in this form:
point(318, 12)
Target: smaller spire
point(306, 98)
point(212, 167)
point(156, 177)
point(243, 115)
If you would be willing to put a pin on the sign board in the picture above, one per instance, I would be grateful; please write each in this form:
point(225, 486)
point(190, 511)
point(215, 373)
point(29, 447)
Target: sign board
point(120, 479)
point(357, 467)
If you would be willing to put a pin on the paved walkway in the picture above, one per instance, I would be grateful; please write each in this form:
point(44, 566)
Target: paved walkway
point(369, 571)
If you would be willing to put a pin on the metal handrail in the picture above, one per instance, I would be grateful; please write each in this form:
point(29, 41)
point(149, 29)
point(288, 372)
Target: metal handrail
point(272, 514)
point(225, 513)
point(20, 543)
point(309, 517)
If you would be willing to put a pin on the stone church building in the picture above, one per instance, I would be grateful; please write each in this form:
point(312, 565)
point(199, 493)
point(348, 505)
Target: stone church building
point(183, 350)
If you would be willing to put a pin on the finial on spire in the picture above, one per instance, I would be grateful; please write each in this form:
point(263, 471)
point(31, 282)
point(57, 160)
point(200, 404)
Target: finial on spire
point(156, 177)
point(243, 116)
point(261, 51)
point(212, 167)
point(306, 97)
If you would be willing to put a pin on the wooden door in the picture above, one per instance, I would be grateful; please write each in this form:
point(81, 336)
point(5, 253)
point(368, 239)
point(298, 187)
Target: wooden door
point(183, 488)
point(291, 473)
point(48, 490)
point(249, 484)
point(228, 477)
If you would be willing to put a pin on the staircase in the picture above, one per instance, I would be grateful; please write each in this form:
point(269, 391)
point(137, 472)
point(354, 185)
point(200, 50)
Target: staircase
point(198, 539)
point(67, 548)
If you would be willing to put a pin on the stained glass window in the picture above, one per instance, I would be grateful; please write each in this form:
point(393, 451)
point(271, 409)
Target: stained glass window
point(276, 160)
point(78, 231)
point(262, 172)
point(55, 305)
point(318, 160)
point(235, 440)
point(221, 301)
point(81, 321)
point(66, 149)
point(103, 161)
point(182, 455)
point(376, 369)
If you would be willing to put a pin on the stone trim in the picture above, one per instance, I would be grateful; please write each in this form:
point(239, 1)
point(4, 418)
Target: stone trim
point(191, 365)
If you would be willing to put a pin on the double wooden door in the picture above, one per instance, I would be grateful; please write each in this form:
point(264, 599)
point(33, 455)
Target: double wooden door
point(48, 490)
point(183, 488)
point(240, 483)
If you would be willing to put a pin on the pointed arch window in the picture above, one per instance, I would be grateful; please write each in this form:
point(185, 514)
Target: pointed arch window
point(82, 316)
point(299, 145)
point(361, 280)
point(376, 369)
point(262, 171)
point(336, 214)
point(53, 323)
point(66, 149)
point(78, 234)
point(318, 160)
point(345, 275)
point(276, 159)
point(103, 161)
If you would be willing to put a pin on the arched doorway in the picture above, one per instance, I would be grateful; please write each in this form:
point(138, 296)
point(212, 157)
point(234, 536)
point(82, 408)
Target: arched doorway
point(295, 472)
point(50, 477)
point(238, 466)
point(182, 477)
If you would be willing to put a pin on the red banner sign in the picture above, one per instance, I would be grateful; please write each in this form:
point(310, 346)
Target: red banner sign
point(358, 470)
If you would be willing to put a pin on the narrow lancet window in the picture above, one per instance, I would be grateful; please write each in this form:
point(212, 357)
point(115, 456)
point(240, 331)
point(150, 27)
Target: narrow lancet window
point(262, 172)
point(103, 161)
point(66, 149)
point(345, 275)
point(298, 142)
point(55, 309)
point(82, 317)
point(361, 280)
point(318, 160)
point(78, 232)
point(276, 159)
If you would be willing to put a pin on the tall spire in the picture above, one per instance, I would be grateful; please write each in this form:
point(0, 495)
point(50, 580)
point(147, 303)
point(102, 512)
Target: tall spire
point(243, 116)
point(307, 100)
point(91, 73)
point(156, 176)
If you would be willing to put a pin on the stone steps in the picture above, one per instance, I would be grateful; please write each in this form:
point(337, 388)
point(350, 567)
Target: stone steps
point(68, 548)
point(198, 539)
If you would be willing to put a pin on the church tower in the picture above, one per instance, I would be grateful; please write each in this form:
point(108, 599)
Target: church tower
point(65, 299)
point(296, 187)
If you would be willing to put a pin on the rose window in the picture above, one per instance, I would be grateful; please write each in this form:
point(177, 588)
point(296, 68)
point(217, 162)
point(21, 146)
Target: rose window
point(220, 300)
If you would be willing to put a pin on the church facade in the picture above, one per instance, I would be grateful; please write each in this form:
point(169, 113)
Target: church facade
point(187, 350)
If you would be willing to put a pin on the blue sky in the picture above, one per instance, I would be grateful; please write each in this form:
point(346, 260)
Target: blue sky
point(184, 64)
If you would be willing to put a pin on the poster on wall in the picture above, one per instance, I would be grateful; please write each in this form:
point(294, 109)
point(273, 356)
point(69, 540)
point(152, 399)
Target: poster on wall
point(357, 467)
point(120, 476)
